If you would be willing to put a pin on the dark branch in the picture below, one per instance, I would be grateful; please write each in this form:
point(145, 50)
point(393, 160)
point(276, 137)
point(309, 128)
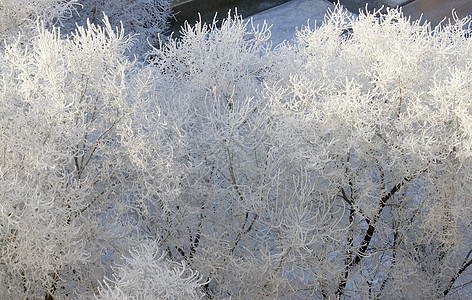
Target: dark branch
point(465, 265)
point(369, 234)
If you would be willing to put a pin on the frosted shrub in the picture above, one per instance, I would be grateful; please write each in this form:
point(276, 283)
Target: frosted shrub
point(377, 110)
point(67, 176)
point(209, 83)
point(337, 167)
point(146, 274)
point(209, 56)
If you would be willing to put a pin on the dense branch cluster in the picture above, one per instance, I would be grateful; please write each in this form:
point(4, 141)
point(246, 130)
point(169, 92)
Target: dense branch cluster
point(224, 167)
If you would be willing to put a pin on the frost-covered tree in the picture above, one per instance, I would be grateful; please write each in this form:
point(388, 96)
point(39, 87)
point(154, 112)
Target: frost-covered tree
point(377, 111)
point(337, 167)
point(210, 84)
point(68, 177)
point(146, 274)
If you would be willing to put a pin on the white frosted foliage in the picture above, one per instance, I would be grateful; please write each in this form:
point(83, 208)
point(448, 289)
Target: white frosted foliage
point(226, 168)
point(146, 274)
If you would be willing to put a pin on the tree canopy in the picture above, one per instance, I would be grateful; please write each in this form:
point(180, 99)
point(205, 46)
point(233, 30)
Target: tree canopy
point(337, 166)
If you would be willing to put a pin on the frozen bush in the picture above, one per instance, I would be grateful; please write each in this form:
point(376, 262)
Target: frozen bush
point(147, 274)
point(336, 167)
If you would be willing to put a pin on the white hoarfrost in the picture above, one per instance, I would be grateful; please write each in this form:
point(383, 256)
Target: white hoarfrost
point(338, 166)
point(147, 274)
point(16, 15)
point(144, 19)
point(69, 182)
